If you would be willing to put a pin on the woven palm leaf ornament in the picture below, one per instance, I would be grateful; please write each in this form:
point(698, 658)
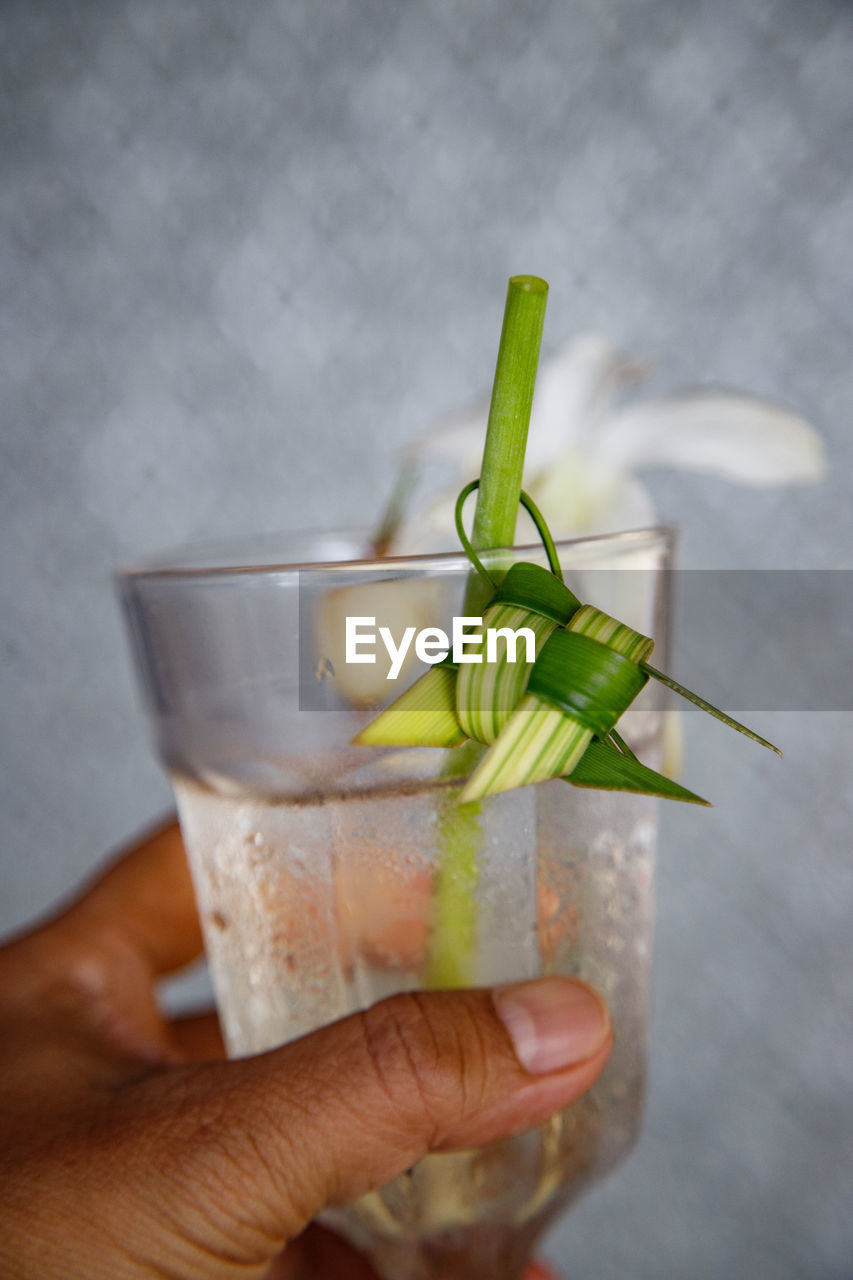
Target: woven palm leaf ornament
point(554, 717)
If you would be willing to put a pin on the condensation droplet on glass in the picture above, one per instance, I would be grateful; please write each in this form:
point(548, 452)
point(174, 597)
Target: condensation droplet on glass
point(324, 670)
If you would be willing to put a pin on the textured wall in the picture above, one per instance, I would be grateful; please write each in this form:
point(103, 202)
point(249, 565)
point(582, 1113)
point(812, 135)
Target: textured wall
point(248, 247)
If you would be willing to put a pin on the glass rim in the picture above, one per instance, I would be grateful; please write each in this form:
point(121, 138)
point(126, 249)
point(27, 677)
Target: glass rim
point(191, 562)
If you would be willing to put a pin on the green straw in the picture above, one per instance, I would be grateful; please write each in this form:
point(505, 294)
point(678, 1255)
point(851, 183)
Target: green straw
point(453, 939)
point(509, 419)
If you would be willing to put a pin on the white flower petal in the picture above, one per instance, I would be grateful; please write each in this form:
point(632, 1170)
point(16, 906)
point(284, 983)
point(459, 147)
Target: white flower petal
point(725, 433)
point(573, 390)
point(581, 493)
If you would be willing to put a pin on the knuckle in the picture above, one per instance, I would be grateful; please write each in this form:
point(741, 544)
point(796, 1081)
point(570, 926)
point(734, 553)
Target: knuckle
point(405, 1056)
point(430, 1060)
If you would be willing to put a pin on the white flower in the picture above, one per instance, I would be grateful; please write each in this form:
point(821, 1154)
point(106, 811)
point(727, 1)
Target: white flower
point(584, 445)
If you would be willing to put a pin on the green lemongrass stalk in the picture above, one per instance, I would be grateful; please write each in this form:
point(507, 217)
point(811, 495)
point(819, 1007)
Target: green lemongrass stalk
point(509, 419)
point(453, 937)
point(459, 838)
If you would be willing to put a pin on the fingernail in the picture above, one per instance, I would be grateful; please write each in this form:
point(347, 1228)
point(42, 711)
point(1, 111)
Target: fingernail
point(552, 1022)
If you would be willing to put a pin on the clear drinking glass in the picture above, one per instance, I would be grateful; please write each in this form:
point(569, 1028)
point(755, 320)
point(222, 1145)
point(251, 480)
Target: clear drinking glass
point(315, 861)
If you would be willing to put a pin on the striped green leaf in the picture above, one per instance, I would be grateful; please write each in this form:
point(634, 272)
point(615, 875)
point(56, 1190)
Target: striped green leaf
point(423, 716)
point(587, 621)
point(487, 693)
point(607, 769)
point(532, 587)
point(586, 680)
point(537, 742)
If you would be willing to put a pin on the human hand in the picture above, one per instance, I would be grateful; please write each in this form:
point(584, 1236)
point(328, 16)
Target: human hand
point(129, 1149)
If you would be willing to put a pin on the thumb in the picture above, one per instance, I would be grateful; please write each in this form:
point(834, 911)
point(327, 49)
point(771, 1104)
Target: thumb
point(343, 1110)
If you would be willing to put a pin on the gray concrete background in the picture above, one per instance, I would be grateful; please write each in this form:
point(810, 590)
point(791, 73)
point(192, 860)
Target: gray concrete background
point(248, 247)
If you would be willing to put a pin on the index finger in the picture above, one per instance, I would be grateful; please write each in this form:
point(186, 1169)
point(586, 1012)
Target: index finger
point(145, 895)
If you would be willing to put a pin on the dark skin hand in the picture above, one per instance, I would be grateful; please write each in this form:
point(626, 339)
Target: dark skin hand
point(130, 1149)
